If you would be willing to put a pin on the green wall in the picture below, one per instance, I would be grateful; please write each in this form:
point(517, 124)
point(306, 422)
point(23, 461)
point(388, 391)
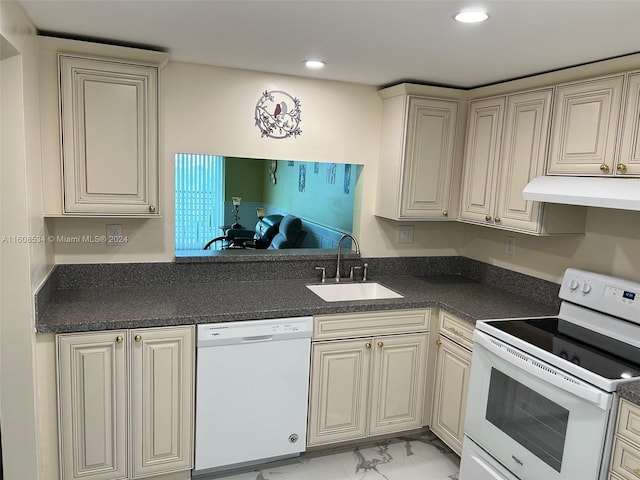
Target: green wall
point(244, 177)
point(323, 199)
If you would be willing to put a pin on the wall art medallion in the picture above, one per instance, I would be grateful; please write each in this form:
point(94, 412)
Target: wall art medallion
point(278, 115)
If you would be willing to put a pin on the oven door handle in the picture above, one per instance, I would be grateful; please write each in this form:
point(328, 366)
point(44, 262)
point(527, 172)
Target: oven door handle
point(543, 371)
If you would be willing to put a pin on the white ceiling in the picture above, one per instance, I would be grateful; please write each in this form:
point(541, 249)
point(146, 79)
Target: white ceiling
point(376, 42)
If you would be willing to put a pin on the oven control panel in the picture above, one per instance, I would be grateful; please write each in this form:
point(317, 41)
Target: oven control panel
point(610, 295)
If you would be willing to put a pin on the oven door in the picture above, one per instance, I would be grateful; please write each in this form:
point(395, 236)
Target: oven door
point(537, 421)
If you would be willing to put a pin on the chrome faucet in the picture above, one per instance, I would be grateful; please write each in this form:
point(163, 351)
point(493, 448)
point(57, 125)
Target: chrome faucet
point(346, 235)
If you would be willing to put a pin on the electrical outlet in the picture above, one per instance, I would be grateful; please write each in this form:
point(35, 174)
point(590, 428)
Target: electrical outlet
point(405, 234)
point(510, 246)
point(114, 235)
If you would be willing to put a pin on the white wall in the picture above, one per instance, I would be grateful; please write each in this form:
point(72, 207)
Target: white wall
point(207, 109)
point(611, 245)
point(24, 265)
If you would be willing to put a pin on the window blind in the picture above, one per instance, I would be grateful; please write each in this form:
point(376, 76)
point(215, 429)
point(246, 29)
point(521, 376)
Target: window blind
point(198, 198)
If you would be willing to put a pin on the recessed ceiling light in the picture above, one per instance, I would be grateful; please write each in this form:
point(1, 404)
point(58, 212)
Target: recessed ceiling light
point(471, 16)
point(315, 64)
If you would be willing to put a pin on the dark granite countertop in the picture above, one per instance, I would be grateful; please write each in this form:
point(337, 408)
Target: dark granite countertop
point(82, 298)
point(112, 307)
point(630, 391)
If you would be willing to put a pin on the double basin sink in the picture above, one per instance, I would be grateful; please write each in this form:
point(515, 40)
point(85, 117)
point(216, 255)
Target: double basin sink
point(343, 292)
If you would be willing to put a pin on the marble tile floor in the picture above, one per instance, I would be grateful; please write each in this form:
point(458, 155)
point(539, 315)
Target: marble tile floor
point(418, 457)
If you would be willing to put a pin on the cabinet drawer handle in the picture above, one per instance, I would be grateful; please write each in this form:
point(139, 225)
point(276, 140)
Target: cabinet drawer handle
point(119, 339)
point(152, 208)
point(367, 345)
point(138, 338)
point(621, 167)
point(457, 332)
point(604, 168)
point(445, 213)
point(487, 218)
point(380, 344)
point(438, 342)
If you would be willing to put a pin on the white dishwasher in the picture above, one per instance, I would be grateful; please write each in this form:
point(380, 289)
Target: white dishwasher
point(252, 389)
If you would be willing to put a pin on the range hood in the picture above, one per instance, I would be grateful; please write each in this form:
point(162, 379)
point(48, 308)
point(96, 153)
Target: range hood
point(619, 193)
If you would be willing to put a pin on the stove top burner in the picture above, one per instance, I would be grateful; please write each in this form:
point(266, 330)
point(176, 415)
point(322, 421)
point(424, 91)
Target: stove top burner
point(600, 354)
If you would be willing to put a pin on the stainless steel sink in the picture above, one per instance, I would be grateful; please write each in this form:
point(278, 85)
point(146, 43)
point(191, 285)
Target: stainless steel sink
point(343, 292)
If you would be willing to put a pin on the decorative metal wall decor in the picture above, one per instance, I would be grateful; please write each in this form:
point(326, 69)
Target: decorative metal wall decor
point(278, 115)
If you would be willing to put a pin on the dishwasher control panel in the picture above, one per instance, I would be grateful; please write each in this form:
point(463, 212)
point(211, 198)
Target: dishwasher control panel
point(254, 331)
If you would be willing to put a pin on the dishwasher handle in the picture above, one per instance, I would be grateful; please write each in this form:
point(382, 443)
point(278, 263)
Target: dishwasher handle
point(257, 338)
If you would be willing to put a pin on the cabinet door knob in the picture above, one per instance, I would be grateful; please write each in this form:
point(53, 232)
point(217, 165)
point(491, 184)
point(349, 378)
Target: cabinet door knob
point(138, 338)
point(498, 219)
point(119, 339)
point(152, 208)
point(445, 213)
point(367, 345)
point(604, 168)
point(438, 342)
point(487, 218)
point(380, 344)
point(621, 167)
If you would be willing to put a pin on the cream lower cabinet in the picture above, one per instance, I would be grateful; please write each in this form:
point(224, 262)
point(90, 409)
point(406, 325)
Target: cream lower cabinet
point(453, 366)
point(368, 386)
point(625, 460)
point(125, 403)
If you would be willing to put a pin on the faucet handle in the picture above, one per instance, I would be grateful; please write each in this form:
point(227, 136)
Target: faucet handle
point(351, 277)
point(324, 273)
point(364, 271)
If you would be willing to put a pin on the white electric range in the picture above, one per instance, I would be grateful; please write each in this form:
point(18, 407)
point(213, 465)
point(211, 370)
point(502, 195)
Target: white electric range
point(542, 390)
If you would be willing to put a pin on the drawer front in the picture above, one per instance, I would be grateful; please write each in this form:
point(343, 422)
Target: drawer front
point(626, 460)
point(629, 421)
point(363, 324)
point(456, 329)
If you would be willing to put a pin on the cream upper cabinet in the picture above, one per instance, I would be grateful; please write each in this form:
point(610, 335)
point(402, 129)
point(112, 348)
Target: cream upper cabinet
point(507, 141)
point(585, 127)
point(453, 366)
point(629, 156)
point(484, 133)
point(417, 155)
point(523, 155)
point(125, 401)
point(109, 123)
point(369, 385)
